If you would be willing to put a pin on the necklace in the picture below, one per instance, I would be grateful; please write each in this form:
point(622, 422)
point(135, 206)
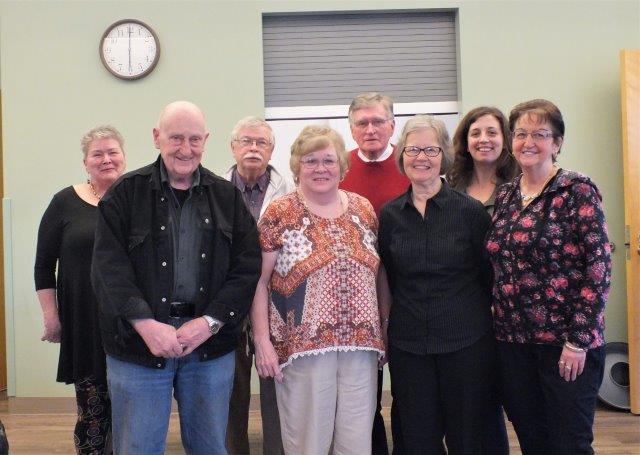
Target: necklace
point(306, 206)
point(93, 189)
point(527, 198)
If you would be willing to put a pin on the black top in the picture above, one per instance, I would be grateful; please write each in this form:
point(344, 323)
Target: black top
point(65, 238)
point(183, 225)
point(438, 273)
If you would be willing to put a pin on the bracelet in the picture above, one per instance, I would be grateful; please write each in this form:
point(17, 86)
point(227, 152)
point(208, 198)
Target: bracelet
point(573, 348)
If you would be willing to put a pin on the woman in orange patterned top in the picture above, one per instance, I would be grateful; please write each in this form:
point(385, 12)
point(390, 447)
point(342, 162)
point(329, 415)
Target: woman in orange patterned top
point(315, 314)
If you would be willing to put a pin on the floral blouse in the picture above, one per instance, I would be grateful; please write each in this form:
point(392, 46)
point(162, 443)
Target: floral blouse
point(323, 288)
point(552, 263)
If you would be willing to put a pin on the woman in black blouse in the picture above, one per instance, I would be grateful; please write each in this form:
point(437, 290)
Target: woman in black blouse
point(441, 349)
point(70, 313)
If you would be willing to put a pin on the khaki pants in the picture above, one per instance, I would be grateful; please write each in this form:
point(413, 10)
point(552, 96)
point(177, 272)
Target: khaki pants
point(328, 398)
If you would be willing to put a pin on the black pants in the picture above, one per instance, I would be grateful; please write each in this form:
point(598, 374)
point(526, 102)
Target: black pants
point(550, 415)
point(496, 440)
point(444, 395)
point(92, 434)
point(379, 434)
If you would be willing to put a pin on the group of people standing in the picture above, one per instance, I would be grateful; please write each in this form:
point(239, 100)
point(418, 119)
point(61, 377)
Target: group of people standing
point(478, 269)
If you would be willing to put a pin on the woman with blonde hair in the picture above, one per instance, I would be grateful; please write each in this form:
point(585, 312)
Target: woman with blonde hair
point(315, 314)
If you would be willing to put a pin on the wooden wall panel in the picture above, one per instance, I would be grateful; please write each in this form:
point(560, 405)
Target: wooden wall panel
point(630, 89)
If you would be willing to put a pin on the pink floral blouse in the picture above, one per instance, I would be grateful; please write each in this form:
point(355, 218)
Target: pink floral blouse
point(552, 263)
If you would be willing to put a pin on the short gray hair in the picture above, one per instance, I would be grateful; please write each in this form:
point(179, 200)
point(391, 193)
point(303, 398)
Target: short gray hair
point(423, 122)
point(370, 99)
point(101, 132)
point(252, 122)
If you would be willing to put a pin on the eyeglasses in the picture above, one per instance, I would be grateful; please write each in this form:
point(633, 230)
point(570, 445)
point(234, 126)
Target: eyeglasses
point(414, 151)
point(313, 163)
point(536, 136)
point(248, 142)
point(375, 122)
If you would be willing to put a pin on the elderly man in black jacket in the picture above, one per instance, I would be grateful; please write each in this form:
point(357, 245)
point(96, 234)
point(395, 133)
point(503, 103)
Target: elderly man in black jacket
point(175, 265)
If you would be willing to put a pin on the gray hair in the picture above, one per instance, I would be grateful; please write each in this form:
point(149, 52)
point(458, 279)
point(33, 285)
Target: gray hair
point(370, 99)
point(423, 122)
point(252, 122)
point(101, 132)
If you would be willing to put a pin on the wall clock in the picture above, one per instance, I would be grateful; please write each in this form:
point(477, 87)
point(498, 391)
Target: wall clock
point(129, 49)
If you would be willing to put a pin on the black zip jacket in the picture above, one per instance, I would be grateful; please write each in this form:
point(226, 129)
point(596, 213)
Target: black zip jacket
point(132, 270)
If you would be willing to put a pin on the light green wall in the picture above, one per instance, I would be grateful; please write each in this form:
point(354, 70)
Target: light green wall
point(54, 88)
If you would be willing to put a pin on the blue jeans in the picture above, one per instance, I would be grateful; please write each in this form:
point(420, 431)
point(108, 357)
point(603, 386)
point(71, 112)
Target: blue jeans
point(141, 404)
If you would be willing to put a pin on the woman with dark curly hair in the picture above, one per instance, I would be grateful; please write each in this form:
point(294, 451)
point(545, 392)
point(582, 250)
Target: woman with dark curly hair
point(482, 155)
point(482, 162)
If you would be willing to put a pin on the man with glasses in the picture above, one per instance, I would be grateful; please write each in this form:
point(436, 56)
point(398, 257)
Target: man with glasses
point(373, 174)
point(175, 266)
point(252, 144)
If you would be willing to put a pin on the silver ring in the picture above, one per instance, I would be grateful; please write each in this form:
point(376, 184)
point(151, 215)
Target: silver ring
point(567, 367)
point(561, 362)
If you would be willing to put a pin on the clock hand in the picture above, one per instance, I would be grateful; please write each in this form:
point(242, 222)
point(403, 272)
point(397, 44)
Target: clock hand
point(129, 29)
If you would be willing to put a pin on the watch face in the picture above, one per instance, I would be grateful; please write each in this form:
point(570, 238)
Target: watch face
point(129, 49)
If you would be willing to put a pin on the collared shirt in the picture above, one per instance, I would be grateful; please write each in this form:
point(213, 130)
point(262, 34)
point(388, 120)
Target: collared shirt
point(386, 154)
point(183, 225)
point(253, 195)
point(438, 274)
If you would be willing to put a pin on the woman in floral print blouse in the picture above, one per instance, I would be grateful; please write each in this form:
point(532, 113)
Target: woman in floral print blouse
point(551, 257)
point(315, 314)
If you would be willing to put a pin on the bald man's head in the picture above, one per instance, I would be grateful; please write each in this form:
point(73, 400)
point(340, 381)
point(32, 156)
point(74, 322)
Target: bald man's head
point(180, 135)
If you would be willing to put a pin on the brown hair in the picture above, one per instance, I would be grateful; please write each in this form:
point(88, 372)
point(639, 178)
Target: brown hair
point(540, 111)
point(462, 169)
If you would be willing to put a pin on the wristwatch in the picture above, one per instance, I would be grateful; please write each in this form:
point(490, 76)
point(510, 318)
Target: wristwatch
point(214, 324)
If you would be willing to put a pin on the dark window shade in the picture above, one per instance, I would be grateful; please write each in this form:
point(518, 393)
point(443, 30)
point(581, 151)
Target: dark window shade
point(326, 59)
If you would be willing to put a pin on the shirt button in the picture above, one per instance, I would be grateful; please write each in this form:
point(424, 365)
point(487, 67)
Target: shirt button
point(204, 256)
point(201, 288)
point(164, 264)
point(162, 228)
point(164, 299)
point(162, 199)
point(159, 365)
point(206, 220)
point(231, 313)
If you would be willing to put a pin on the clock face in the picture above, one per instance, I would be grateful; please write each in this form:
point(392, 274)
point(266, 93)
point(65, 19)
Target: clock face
point(129, 49)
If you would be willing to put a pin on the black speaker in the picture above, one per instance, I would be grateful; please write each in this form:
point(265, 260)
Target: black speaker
point(615, 390)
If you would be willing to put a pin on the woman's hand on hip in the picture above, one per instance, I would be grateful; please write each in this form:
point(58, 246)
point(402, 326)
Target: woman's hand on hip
point(267, 363)
point(571, 364)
